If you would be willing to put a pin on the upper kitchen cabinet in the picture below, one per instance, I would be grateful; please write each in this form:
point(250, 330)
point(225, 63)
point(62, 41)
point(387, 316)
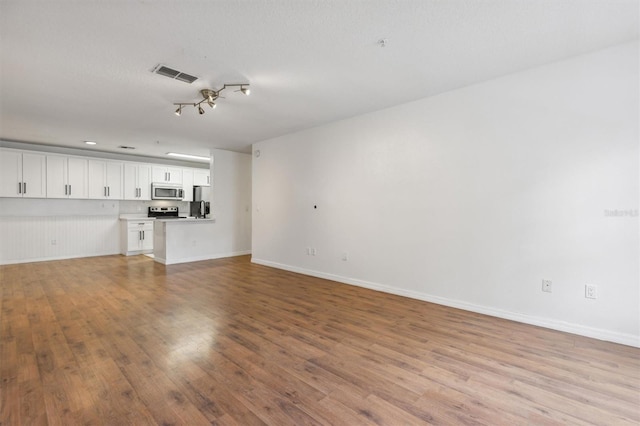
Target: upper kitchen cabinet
point(105, 179)
point(201, 177)
point(137, 181)
point(187, 184)
point(22, 174)
point(67, 177)
point(167, 174)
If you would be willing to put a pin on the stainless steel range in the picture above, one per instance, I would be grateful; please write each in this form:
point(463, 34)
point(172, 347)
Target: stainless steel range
point(165, 213)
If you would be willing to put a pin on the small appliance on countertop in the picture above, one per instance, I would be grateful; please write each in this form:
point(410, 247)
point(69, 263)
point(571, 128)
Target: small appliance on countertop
point(165, 213)
point(199, 208)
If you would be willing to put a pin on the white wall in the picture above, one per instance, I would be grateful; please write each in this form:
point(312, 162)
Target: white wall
point(472, 197)
point(231, 203)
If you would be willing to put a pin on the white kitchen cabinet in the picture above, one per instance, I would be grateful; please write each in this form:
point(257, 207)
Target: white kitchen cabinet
point(137, 181)
point(167, 174)
point(22, 174)
point(136, 236)
point(67, 177)
point(187, 184)
point(201, 177)
point(105, 179)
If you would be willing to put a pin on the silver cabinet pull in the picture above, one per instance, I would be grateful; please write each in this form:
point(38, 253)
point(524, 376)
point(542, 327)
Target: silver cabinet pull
point(69, 189)
point(65, 189)
point(108, 191)
point(105, 191)
point(24, 187)
point(19, 187)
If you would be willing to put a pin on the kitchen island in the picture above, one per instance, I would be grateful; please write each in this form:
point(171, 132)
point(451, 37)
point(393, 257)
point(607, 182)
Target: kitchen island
point(183, 240)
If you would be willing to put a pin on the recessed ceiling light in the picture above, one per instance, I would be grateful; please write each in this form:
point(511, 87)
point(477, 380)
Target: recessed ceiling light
point(189, 156)
point(90, 142)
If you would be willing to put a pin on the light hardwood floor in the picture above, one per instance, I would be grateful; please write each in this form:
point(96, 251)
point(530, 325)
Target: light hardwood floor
point(117, 340)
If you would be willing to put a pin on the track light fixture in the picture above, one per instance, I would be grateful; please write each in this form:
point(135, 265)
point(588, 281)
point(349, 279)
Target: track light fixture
point(210, 96)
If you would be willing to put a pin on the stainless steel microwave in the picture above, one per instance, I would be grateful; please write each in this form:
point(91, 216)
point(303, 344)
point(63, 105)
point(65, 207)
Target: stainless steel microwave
point(166, 191)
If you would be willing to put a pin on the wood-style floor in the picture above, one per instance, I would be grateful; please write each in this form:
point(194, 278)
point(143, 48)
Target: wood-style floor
point(127, 341)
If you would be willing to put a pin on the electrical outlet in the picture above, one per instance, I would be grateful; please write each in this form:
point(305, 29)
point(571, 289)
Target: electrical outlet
point(308, 251)
point(546, 286)
point(591, 291)
point(313, 251)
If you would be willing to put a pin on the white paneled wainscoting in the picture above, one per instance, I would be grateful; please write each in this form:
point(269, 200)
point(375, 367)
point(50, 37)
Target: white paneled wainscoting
point(37, 238)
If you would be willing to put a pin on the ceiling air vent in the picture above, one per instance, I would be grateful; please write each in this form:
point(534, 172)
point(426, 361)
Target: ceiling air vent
point(176, 75)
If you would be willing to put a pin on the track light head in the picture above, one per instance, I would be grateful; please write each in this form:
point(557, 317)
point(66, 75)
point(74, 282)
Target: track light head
point(179, 110)
point(245, 90)
point(200, 110)
point(212, 104)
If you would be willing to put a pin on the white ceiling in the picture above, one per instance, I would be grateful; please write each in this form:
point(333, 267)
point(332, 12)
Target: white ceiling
point(81, 70)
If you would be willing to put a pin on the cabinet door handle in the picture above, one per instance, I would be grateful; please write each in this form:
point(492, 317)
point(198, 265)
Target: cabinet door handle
point(143, 235)
point(108, 191)
point(65, 189)
point(105, 191)
point(19, 187)
point(69, 189)
point(24, 187)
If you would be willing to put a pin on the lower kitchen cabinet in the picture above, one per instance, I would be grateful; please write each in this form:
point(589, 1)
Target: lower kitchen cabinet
point(136, 236)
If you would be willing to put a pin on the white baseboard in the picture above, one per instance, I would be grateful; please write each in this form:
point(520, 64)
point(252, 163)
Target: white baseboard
point(581, 330)
point(47, 259)
point(200, 258)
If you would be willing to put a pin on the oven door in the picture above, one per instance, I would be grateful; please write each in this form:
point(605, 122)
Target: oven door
point(166, 192)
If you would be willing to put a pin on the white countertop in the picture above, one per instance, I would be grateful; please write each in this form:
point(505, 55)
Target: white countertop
point(139, 217)
point(135, 217)
point(188, 219)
